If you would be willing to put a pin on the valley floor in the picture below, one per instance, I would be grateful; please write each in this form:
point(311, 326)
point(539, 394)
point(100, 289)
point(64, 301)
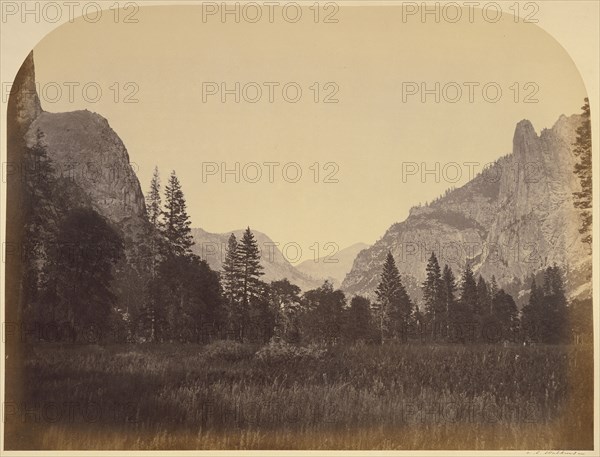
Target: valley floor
point(229, 396)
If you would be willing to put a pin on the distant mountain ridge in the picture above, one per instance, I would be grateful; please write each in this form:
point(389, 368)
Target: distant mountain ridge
point(333, 268)
point(510, 221)
point(212, 248)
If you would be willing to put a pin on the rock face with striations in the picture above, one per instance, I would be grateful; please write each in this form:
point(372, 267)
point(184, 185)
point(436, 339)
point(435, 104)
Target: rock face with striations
point(85, 149)
point(510, 221)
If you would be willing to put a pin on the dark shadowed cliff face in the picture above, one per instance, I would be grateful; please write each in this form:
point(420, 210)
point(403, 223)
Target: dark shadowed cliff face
point(509, 221)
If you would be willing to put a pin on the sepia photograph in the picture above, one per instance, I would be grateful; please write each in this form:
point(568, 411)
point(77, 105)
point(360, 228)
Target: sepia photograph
point(299, 226)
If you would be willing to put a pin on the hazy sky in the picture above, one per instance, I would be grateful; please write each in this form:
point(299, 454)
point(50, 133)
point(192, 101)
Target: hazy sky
point(369, 55)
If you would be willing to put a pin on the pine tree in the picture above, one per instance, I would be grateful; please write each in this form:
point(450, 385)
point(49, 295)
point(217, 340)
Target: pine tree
point(177, 298)
point(469, 300)
point(154, 213)
point(231, 269)
point(505, 315)
point(432, 295)
point(493, 290)
point(484, 297)
point(153, 201)
point(583, 170)
point(531, 314)
point(285, 299)
point(151, 315)
point(231, 280)
point(251, 287)
point(555, 323)
point(250, 268)
point(449, 294)
point(401, 313)
point(492, 328)
point(393, 308)
point(177, 223)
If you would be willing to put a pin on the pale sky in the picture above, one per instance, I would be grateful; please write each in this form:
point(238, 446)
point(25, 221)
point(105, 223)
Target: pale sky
point(368, 134)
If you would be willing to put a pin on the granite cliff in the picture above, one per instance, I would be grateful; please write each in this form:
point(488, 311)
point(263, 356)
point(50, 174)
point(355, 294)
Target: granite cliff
point(510, 221)
point(86, 150)
point(90, 169)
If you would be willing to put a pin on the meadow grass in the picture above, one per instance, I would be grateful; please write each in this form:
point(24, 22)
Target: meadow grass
point(231, 396)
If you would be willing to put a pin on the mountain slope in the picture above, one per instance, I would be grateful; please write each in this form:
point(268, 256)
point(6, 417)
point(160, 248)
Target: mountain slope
point(333, 268)
point(212, 247)
point(509, 221)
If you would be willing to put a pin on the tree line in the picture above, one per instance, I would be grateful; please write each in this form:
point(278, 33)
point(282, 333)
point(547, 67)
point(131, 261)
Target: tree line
point(236, 303)
point(156, 289)
point(165, 293)
point(468, 310)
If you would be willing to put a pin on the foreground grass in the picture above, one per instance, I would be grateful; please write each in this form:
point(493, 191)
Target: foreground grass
point(358, 397)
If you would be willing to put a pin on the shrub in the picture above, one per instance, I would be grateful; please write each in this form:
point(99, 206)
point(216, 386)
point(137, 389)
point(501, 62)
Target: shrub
point(282, 352)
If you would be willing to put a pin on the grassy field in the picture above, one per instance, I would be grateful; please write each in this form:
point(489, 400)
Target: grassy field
point(229, 396)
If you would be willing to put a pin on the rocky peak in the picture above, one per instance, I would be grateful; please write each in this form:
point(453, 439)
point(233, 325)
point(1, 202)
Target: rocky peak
point(524, 138)
point(565, 127)
point(83, 148)
point(24, 102)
